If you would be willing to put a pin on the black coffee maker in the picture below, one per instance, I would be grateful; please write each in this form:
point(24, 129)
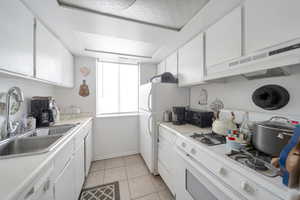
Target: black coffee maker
point(42, 109)
point(179, 113)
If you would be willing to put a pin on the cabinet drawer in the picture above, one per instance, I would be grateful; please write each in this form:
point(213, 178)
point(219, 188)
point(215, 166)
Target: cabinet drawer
point(167, 135)
point(63, 157)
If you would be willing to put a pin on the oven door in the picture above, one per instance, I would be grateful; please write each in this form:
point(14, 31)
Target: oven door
point(195, 182)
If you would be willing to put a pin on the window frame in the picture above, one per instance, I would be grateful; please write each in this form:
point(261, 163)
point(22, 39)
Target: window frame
point(115, 114)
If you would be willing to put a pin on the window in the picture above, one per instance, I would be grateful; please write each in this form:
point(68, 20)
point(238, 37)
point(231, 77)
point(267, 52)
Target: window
point(117, 88)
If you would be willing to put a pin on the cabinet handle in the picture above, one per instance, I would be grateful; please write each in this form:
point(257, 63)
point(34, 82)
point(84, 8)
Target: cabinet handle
point(29, 193)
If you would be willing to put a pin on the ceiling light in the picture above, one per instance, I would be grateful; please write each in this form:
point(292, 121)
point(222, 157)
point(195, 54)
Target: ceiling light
point(118, 54)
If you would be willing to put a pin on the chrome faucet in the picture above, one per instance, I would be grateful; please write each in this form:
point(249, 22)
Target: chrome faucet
point(11, 126)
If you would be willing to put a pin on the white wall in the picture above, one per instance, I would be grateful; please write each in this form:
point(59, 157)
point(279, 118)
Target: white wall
point(147, 71)
point(112, 136)
point(66, 97)
point(116, 136)
point(236, 93)
point(29, 88)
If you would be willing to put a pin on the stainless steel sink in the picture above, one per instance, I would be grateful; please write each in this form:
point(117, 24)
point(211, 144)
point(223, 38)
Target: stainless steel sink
point(32, 143)
point(54, 130)
point(60, 129)
point(28, 146)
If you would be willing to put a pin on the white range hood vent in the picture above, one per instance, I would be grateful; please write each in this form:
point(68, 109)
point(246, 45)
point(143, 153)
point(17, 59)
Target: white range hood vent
point(270, 62)
point(268, 73)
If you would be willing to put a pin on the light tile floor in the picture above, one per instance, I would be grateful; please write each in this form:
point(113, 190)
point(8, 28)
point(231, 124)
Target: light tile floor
point(135, 181)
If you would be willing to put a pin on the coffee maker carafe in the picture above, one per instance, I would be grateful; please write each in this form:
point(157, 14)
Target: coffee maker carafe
point(43, 109)
point(179, 115)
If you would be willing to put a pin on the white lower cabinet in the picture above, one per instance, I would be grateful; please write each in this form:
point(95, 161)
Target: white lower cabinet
point(64, 185)
point(166, 157)
point(79, 168)
point(88, 144)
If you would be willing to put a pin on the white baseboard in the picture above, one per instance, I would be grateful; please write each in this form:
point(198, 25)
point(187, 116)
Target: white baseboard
point(114, 155)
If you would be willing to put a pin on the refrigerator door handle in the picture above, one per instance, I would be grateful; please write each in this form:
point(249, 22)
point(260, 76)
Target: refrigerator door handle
point(149, 125)
point(149, 101)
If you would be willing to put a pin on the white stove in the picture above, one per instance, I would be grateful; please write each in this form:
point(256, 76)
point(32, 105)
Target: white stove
point(241, 175)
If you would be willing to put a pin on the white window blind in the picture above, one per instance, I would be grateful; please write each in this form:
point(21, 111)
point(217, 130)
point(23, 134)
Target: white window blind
point(117, 88)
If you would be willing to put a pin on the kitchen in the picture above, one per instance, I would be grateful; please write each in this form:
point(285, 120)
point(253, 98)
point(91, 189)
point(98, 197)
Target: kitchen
point(149, 100)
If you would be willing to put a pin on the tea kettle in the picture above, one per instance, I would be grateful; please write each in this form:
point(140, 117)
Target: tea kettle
point(222, 126)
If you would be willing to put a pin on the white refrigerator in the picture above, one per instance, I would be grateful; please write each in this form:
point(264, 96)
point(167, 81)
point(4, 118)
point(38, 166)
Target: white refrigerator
point(154, 99)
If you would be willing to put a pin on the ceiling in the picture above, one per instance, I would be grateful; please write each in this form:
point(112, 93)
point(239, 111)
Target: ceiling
point(156, 27)
point(172, 14)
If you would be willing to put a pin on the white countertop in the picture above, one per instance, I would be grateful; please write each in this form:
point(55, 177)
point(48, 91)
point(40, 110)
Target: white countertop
point(219, 152)
point(18, 173)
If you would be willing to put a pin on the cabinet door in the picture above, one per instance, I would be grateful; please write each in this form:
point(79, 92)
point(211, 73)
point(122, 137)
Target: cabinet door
point(171, 64)
point(190, 62)
point(88, 152)
point(224, 39)
point(64, 186)
point(79, 168)
point(270, 22)
point(16, 37)
point(161, 67)
point(67, 68)
point(48, 56)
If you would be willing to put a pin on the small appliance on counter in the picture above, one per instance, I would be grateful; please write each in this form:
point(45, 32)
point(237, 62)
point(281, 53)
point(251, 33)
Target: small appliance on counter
point(200, 118)
point(178, 115)
point(165, 77)
point(44, 110)
point(167, 116)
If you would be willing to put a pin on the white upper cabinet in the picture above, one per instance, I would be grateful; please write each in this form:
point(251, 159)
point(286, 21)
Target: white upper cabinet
point(224, 40)
point(16, 37)
point(270, 22)
point(53, 62)
point(191, 62)
point(171, 64)
point(161, 67)
point(48, 53)
point(67, 68)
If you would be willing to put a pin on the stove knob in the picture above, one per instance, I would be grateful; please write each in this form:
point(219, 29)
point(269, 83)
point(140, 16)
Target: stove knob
point(246, 187)
point(222, 171)
point(183, 145)
point(193, 151)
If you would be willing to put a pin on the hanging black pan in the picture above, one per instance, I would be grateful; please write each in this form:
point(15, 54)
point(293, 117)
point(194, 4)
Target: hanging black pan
point(271, 97)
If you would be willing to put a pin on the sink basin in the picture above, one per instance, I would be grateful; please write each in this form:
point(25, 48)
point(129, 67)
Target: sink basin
point(28, 146)
point(60, 129)
point(54, 130)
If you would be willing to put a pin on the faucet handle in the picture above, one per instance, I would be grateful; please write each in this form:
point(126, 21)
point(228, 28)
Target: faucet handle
point(13, 126)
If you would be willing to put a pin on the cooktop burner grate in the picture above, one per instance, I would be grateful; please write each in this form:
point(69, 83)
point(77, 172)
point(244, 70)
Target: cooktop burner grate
point(210, 139)
point(257, 161)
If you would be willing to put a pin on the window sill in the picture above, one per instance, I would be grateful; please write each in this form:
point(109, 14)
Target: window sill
point(117, 115)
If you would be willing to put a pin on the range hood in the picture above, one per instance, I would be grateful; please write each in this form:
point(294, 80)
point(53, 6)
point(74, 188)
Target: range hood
point(266, 63)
